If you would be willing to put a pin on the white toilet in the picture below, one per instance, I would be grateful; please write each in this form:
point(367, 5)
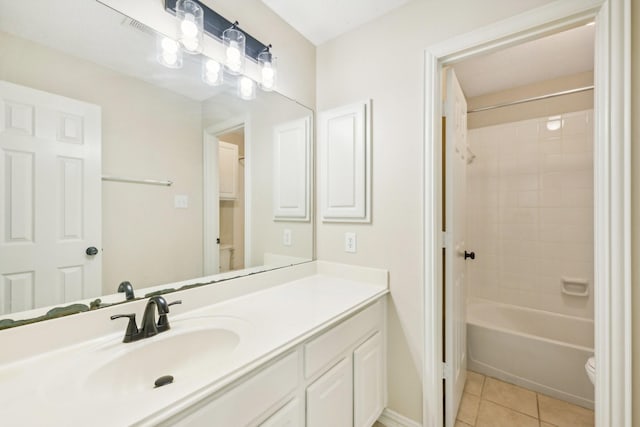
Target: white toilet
point(226, 257)
point(590, 367)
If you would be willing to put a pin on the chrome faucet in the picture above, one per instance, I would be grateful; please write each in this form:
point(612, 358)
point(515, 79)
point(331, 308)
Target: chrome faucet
point(149, 327)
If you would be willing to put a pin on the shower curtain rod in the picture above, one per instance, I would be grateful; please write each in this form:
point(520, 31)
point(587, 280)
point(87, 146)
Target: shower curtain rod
point(533, 98)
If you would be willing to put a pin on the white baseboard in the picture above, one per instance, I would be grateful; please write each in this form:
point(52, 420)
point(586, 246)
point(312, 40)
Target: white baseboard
point(391, 418)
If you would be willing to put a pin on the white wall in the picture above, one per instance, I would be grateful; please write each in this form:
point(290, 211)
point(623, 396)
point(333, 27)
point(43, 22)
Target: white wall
point(530, 212)
point(383, 60)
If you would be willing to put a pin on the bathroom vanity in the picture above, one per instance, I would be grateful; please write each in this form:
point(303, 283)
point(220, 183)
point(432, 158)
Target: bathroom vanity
point(302, 345)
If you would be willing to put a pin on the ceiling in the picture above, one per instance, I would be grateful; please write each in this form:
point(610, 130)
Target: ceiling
point(558, 55)
point(323, 20)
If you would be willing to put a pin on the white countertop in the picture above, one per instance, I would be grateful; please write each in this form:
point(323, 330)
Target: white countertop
point(53, 388)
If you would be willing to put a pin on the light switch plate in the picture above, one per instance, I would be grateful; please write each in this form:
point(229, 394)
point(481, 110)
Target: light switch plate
point(181, 201)
point(286, 237)
point(350, 242)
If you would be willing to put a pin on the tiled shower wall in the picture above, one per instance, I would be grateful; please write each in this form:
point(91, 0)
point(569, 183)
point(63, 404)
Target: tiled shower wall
point(530, 212)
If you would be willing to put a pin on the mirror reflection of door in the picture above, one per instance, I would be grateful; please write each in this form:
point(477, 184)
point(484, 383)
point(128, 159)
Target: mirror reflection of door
point(231, 200)
point(50, 221)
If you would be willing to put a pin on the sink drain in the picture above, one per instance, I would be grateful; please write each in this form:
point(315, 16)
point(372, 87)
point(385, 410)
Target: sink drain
point(163, 380)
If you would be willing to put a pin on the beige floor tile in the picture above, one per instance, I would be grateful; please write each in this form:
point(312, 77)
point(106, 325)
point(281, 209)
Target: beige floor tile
point(474, 383)
point(511, 396)
point(461, 424)
point(493, 415)
point(543, 424)
point(564, 414)
point(468, 410)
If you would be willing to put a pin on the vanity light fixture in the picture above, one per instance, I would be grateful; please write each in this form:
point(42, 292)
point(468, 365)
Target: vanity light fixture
point(268, 70)
point(212, 72)
point(215, 24)
point(234, 48)
point(190, 25)
point(169, 53)
point(246, 88)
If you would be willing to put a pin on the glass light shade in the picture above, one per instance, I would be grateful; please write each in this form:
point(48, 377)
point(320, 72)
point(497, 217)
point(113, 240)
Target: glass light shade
point(212, 72)
point(190, 25)
point(168, 52)
point(234, 45)
point(246, 88)
point(268, 70)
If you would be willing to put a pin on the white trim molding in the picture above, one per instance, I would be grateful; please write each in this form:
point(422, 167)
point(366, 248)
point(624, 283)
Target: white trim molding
point(391, 418)
point(612, 169)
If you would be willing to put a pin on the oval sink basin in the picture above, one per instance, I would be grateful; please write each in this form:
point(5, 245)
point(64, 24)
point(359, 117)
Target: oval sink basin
point(186, 355)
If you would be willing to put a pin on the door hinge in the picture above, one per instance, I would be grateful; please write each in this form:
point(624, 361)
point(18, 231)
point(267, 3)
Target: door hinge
point(444, 239)
point(446, 370)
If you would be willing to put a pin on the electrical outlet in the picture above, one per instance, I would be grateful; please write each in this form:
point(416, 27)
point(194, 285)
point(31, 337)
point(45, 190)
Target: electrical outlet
point(286, 237)
point(350, 242)
point(181, 201)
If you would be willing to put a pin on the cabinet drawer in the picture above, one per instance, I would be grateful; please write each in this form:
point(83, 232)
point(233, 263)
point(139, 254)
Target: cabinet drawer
point(328, 347)
point(250, 399)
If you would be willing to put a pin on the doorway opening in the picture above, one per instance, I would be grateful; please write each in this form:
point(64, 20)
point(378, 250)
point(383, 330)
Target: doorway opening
point(231, 195)
point(226, 196)
point(612, 142)
point(519, 220)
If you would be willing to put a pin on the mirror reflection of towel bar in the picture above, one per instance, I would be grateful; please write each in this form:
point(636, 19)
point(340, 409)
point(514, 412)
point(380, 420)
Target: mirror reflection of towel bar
point(575, 287)
point(166, 183)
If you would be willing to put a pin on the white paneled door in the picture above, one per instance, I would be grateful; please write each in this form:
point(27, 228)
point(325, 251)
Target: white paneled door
point(50, 199)
point(455, 259)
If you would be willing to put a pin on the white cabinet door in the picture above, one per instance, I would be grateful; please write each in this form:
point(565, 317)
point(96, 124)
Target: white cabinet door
point(368, 381)
point(228, 163)
point(330, 398)
point(290, 415)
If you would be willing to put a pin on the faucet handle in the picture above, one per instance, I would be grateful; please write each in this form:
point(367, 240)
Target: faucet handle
point(132, 327)
point(174, 303)
point(163, 321)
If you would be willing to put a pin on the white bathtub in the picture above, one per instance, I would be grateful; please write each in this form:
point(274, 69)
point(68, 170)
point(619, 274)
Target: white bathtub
point(539, 350)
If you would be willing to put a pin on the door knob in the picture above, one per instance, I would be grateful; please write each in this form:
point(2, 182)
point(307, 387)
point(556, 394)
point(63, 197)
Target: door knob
point(471, 255)
point(91, 251)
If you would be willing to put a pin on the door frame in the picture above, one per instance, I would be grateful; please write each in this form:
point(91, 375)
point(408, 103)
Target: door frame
point(211, 230)
point(612, 169)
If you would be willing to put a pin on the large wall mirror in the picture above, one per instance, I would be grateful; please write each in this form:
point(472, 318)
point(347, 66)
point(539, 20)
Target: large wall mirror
point(116, 168)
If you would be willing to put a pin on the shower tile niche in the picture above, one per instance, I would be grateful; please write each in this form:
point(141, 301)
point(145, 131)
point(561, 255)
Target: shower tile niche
point(530, 212)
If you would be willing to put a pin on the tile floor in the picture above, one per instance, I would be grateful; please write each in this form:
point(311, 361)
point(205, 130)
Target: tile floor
point(488, 402)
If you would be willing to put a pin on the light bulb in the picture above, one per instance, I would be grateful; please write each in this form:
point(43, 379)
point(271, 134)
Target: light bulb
point(168, 52)
point(233, 59)
point(190, 20)
point(247, 87)
point(268, 78)
point(268, 70)
point(212, 72)
point(190, 44)
point(169, 45)
point(234, 43)
point(213, 66)
point(188, 26)
point(169, 58)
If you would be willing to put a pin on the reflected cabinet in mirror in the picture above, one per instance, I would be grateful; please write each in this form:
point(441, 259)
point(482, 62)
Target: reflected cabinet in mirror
point(116, 168)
